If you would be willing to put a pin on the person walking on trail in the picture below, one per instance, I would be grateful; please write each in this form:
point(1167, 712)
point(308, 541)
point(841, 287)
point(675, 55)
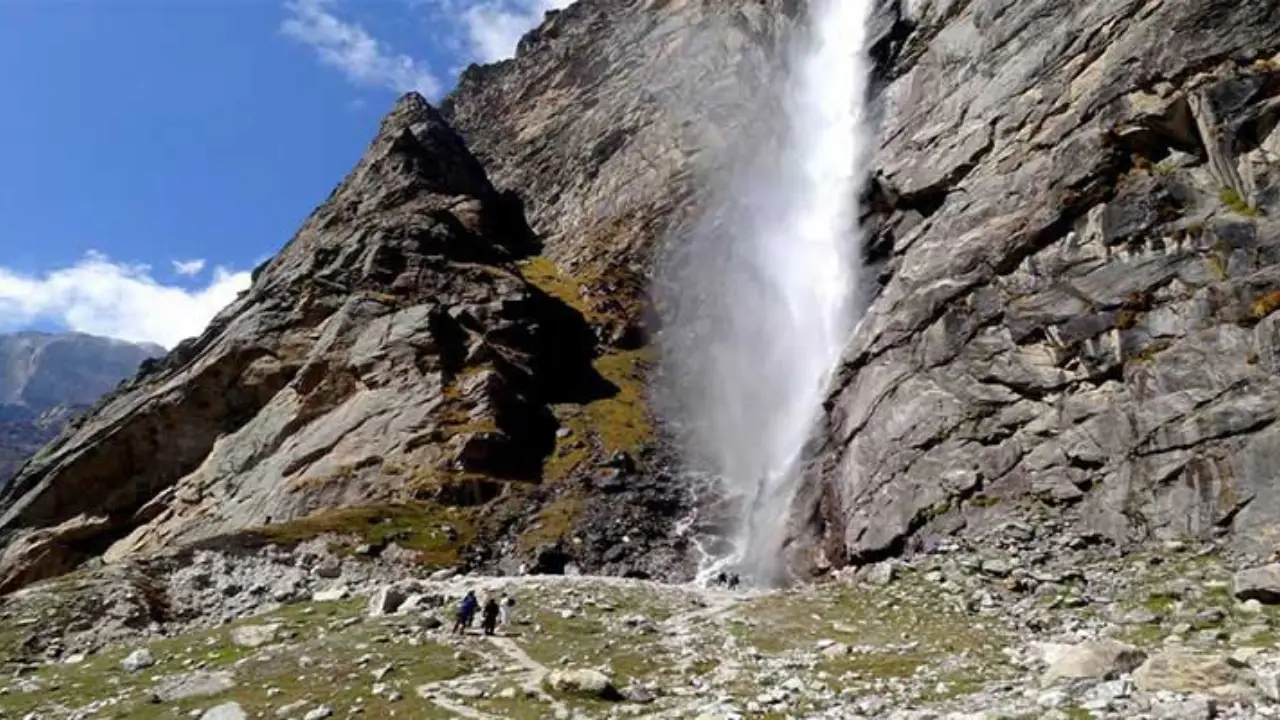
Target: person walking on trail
point(504, 610)
point(466, 610)
point(490, 615)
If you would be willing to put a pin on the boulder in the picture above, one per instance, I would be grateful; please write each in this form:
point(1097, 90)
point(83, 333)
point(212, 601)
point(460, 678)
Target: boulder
point(225, 711)
point(201, 683)
point(1097, 660)
point(587, 683)
point(333, 594)
point(1260, 583)
point(386, 601)
point(137, 660)
point(1197, 707)
point(253, 636)
point(1181, 671)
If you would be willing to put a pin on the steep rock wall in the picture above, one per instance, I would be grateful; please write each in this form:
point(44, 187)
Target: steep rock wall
point(1074, 223)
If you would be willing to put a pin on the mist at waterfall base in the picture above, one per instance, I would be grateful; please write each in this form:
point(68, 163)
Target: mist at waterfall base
point(764, 293)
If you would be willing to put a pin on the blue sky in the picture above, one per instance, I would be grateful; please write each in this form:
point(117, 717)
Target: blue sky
point(153, 151)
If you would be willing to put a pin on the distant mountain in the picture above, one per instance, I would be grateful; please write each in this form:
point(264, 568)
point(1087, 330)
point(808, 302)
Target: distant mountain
point(46, 379)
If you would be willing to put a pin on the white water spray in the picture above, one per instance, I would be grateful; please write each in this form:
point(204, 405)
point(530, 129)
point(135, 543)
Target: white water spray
point(767, 294)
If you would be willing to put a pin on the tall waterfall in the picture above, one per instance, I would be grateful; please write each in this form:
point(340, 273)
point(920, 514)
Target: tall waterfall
point(768, 287)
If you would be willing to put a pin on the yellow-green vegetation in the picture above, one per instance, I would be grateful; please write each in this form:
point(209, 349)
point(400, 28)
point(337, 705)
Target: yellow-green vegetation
point(554, 521)
point(1217, 265)
point(621, 421)
point(1265, 304)
point(415, 526)
point(1127, 319)
point(1148, 352)
point(982, 500)
point(543, 274)
point(1234, 202)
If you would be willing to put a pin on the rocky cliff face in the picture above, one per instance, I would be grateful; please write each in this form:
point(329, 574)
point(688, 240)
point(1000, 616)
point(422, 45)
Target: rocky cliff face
point(1074, 216)
point(46, 379)
point(393, 352)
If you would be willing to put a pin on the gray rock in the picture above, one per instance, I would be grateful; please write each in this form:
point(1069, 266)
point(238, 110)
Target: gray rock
point(225, 711)
point(1177, 670)
point(386, 601)
point(996, 309)
point(1198, 707)
point(1260, 583)
point(588, 683)
point(193, 685)
point(137, 660)
point(1098, 660)
point(254, 636)
point(333, 594)
point(318, 713)
point(292, 709)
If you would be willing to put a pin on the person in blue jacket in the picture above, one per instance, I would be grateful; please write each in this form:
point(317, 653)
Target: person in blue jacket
point(466, 610)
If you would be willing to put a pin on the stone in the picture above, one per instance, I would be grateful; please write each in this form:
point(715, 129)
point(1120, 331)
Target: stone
point(254, 636)
point(225, 711)
point(292, 709)
point(588, 683)
point(1260, 583)
point(137, 661)
point(333, 594)
point(386, 601)
point(1177, 670)
point(201, 683)
point(319, 712)
point(1096, 660)
point(637, 694)
point(329, 567)
point(1196, 707)
point(882, 573)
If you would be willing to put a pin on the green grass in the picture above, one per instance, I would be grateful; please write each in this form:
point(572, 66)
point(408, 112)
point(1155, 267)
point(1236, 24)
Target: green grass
point(331, 649)
point(414, 526)
point(1234, 202)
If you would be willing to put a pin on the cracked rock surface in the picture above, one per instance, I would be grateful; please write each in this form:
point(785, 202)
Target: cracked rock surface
point(1074, 228)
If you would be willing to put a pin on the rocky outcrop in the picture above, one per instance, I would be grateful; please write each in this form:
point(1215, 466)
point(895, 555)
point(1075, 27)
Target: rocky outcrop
point(393, 352)
point(1073, 221)
point(610, 122)
point(47, 379)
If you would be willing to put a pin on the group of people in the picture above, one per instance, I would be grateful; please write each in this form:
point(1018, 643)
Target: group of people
point(493, 613)
point(730, 581)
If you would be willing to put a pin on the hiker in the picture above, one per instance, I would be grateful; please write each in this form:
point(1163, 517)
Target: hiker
point(722, 579)
point(733, 581)
point(504, 610)
point(466, 610)
point(491, 610)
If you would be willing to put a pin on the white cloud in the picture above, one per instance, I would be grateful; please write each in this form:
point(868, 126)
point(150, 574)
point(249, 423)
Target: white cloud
point(349, 48)
point(496, 26)
point(102, 297)
point(189, 268)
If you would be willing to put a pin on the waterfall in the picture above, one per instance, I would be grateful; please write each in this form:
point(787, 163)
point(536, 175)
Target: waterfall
point(766, 290)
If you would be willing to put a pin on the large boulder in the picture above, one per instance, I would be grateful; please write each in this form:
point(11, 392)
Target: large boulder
point(1096, 660)
point(254, 636)
point(1188, 672)
point(587, 683)
point(1259, 583)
